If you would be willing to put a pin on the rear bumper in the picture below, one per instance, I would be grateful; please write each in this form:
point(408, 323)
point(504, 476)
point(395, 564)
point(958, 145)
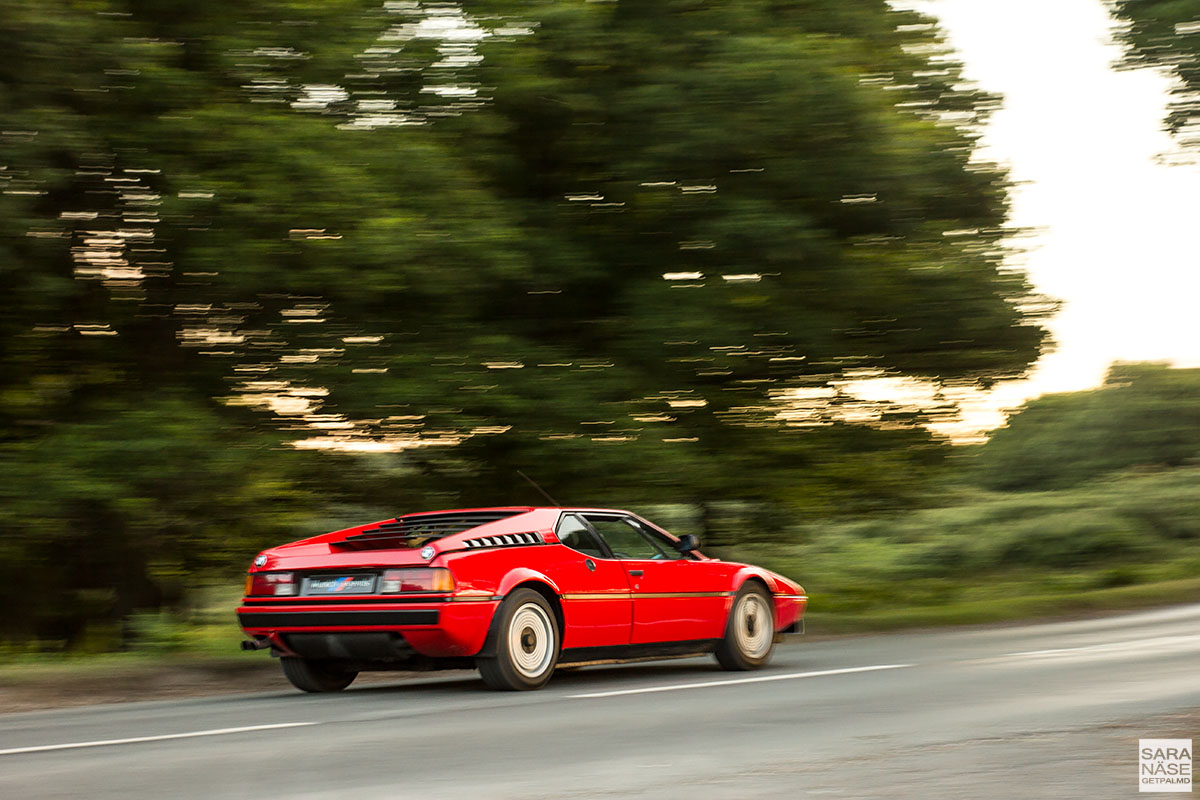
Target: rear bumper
point(338, 619)
point(447, 628)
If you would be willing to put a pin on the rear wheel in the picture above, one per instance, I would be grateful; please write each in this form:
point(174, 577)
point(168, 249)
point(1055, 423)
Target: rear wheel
point(750, 633)
point(526, 644)
point(312, 675)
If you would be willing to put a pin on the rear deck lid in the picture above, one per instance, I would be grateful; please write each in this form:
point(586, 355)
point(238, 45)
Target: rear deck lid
point(417, 530)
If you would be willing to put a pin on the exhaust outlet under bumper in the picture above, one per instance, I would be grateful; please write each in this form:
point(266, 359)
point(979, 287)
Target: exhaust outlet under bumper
point(256, 644)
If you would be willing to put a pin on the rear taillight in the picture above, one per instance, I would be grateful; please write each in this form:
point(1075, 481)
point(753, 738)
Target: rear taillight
point(270, 584)
point(421, 579)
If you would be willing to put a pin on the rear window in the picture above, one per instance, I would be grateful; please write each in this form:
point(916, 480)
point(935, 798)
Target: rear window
point(417, 530)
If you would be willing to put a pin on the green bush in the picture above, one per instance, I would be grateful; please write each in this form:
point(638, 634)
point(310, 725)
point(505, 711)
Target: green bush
point(159, 633)
point(1066, 540)
point(1125, 529)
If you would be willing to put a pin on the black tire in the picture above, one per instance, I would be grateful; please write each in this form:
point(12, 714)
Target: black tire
point(526, 646)
point(310, 675)
point(750, 632)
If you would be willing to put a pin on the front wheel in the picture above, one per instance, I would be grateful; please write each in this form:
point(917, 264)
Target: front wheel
point(750, 633)
point(527, 643)
point(311, 675)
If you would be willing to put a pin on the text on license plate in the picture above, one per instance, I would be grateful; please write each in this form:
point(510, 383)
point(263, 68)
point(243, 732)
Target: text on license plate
point(344, 584)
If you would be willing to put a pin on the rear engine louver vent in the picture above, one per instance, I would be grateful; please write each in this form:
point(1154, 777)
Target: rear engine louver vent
point(504, 540)
point(415, 530)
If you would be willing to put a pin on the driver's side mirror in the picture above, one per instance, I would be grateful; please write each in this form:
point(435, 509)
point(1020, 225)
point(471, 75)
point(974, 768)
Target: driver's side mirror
point(688, 543)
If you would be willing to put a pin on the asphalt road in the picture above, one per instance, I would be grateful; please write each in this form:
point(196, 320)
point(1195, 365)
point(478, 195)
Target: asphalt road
point(1049, 710)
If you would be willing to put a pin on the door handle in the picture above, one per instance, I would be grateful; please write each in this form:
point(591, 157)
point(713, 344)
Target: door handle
point(591, 565)
point(637, 572)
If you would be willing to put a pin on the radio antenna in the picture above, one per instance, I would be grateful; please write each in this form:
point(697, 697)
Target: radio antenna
point(533, 483)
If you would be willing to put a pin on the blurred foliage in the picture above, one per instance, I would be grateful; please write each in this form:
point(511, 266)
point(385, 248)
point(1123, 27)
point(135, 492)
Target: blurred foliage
point(1165, 34)
point(1144, 415)
point(1122, 529)
point(607, 244)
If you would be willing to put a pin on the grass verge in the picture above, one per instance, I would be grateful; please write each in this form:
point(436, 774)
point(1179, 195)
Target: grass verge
point(1015, 608)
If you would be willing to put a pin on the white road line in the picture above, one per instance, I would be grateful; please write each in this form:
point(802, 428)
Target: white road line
point(735, 681)
point(135, 739)
point(1146, 645)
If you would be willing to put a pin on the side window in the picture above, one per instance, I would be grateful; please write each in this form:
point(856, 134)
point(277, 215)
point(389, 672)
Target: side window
point(625, 538)
point(668, 546)
point(575, 534)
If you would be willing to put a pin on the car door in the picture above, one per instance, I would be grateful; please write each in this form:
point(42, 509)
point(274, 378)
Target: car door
point(597, 608)
point(675, 598)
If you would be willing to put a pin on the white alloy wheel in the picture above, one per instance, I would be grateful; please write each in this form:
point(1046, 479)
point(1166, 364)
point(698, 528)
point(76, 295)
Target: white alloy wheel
point(531, 641)
point(750, 632)
point(523, 645)
point(753, 630)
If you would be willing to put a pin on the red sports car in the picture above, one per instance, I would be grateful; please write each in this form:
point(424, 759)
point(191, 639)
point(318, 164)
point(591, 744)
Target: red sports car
point(515, 592)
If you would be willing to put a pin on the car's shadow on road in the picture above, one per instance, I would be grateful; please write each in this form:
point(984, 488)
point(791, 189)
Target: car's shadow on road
point(611, 674)
point(597, 677)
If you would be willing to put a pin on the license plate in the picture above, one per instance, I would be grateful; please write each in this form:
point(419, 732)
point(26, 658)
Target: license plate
point(342, 584)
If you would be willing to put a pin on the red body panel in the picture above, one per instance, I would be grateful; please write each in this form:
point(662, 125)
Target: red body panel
point(603, 601)
point(597, 610)
point(676, 601)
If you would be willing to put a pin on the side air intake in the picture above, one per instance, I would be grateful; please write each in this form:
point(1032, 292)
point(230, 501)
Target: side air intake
point(503, 540)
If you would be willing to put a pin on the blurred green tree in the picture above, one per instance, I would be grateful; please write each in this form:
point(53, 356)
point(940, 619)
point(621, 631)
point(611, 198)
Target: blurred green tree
point(1165, 34)
point(731, 202)
point(1144, 415)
